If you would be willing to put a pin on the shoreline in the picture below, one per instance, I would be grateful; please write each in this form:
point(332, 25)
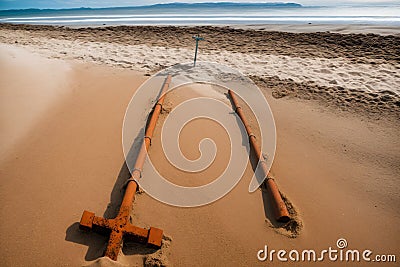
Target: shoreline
point(362, 28)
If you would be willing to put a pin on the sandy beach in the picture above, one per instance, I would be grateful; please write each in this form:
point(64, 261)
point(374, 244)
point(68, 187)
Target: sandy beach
point(335, 98)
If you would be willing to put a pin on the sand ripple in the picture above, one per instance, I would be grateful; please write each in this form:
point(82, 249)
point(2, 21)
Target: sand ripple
point(378, 79)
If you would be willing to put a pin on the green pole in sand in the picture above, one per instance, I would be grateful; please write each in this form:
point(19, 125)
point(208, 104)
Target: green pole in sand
point(197, 38)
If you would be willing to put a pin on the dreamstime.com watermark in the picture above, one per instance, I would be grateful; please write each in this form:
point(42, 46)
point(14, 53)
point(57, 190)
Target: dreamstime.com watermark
point(339, 253)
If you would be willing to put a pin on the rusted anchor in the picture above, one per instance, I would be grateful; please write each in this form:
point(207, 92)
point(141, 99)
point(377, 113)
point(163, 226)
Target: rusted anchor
point(120, 228)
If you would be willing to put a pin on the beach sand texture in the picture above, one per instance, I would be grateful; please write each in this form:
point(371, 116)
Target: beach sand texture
point(63, 93)
point(323, 64)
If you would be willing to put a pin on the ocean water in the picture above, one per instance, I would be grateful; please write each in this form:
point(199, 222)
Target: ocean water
point(207, 15)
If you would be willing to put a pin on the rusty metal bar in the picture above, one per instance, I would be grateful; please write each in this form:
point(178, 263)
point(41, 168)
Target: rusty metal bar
point(281, 212)
point(120, 228)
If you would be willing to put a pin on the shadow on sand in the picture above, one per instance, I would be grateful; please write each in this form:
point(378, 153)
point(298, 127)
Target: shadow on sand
point(97, 243)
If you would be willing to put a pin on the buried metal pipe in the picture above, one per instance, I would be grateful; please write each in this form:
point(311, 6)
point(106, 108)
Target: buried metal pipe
point(120, 227)
point(281, 212)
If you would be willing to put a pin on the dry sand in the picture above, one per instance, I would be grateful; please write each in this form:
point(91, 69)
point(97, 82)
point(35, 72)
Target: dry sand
point(337, 158)
point(357, 68)
point(60, 153)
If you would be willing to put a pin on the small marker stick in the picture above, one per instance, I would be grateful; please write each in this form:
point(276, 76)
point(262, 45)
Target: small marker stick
point(197, 38)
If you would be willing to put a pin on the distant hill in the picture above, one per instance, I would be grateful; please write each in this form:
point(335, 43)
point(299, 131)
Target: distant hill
point(165, 5)
point(226, 4)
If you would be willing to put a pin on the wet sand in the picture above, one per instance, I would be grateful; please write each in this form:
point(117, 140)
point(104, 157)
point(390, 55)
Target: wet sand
point(332, 28)
point(337, 162)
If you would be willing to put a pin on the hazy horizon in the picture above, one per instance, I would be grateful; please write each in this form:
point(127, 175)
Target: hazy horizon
point(65, 4)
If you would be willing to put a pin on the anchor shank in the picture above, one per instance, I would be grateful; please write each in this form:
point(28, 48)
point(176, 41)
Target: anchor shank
point(281, 211)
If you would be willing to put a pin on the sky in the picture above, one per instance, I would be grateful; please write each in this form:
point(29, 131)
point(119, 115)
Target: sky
point(20, 4)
